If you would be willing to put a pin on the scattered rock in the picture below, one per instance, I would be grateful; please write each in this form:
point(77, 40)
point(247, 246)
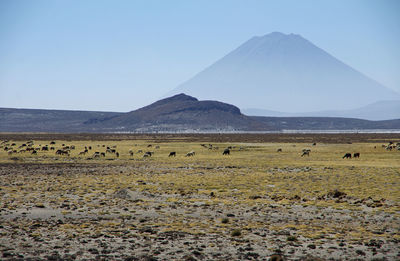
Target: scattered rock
point(360, 252)
point(40, 205)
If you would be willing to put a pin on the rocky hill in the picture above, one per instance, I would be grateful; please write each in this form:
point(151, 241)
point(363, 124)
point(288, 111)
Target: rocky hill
point(181, 113)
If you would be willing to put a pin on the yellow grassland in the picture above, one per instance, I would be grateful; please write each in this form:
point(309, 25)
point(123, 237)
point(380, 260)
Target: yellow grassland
point(252, 176)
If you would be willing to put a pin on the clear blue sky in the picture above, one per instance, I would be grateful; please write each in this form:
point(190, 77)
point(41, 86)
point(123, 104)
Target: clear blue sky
point(121, 55)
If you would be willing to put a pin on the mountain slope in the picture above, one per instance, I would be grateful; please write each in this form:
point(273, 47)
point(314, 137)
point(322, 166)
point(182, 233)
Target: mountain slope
point(285, 73)
point(382, 110)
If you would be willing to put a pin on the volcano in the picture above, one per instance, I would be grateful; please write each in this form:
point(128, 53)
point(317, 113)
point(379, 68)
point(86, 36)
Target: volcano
point(285, 72)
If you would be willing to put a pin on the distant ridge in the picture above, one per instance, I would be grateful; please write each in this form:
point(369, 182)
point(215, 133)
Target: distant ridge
point(179, 113)
point(285, 72)
point(381, 110)
point(40, 120)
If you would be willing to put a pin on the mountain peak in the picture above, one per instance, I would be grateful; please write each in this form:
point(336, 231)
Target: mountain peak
point(180, 97)
point(183, 102)
point(278, 36)
point(284, 72)
point(274, 34)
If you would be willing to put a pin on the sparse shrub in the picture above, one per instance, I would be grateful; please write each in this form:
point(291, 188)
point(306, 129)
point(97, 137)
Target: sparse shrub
point(276, 257)
point(336, 194)
point(255, 197)
point(236, 233)
point(225, 220)
point(189, 258)
point(148, 258)
point(291, 238)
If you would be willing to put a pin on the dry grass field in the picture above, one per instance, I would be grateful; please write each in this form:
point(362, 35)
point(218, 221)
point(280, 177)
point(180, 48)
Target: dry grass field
point(254, 204)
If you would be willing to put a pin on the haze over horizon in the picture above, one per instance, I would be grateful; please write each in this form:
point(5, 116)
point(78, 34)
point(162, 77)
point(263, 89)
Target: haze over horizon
point(120, 56)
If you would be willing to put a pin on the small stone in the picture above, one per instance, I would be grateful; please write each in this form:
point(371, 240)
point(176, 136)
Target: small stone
point(360, 252)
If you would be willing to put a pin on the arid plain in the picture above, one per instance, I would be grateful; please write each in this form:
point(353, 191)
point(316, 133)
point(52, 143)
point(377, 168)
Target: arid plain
point(263, 201)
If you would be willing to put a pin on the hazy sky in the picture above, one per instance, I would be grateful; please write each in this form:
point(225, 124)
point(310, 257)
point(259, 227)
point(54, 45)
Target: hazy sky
point(122, 55)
